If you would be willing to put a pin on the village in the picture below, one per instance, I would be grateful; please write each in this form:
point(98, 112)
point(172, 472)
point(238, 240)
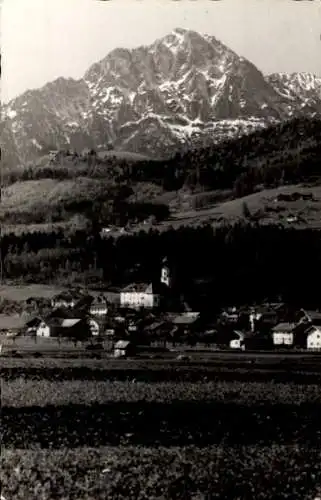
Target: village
point(141, 316)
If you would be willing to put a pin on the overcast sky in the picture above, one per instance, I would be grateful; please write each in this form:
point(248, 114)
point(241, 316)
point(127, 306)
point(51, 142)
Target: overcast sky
point(44, 39)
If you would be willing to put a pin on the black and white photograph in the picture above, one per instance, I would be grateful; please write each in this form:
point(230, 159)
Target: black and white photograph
point(160, 250)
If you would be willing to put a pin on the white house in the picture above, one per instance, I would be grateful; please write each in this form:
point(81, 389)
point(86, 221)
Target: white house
point(93, 326)
point(99, 307)
point(123, 348)
point(238, 342)
point(43, 330)
point(283, 334)
point(166, 274)
point(139, 295)
point(65, 300)
point(314, 338)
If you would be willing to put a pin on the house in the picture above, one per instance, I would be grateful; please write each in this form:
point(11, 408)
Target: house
point(139, 295)
point(83, 302)
point(65, 299)
point(283, 334)
point(314, 338)
point(37, 327)
point(263, 318)
point(238, 341)
point(75, 328)
point(99, 306)
point(123, 348)
point(230, 315)
point(310, 317)
point(93, 326)
point(184, 324)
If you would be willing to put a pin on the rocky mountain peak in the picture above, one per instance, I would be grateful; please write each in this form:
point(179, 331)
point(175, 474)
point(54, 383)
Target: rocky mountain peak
point(183, 88)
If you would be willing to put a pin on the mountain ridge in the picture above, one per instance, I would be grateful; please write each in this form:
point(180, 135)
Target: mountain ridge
point(185, 88)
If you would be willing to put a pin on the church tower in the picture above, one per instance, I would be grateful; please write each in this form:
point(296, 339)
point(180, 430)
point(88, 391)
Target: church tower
point(166, 277)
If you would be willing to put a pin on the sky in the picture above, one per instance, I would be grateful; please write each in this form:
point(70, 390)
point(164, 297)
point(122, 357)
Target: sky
point(42, 40)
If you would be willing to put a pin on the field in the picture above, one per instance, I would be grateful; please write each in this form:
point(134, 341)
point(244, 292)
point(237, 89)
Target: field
point(20, 293)
point(230, 427)
point(141, 473)
point(25, 197)
point(262, 204)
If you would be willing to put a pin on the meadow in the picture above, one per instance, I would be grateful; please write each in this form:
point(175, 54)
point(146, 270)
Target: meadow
point(22, 392)
point(142, 473)
point(156, 429)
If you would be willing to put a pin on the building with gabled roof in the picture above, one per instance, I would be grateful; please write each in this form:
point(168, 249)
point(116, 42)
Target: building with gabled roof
point(139, 295)
point(283, 334)
point(124, 348)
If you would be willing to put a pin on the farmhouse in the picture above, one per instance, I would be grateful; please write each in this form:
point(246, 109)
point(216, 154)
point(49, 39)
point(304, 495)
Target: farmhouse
point(263, 318)
point(99, 306)
point(139, 296)
point(238, 341)
point(184, 324)
point(65, 299)
point(123, 348)
point(314, 338)
point(68, 327)
point(93, 326)
point(283, 334)
point(230, 315)
point(37, 327)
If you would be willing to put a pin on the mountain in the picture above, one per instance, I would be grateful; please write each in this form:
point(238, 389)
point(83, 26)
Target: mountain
point(302, 89)
point(181, 90)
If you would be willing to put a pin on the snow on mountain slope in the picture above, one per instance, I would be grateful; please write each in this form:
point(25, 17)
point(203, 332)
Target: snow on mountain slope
point(183, 88)
point(302, 89)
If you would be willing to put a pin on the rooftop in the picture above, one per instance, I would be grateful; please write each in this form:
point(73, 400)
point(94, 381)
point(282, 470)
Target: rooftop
point(185, 319)
point(69, 323)
point(139, 288)
point(313, 315)
point(284, 327)
point(122, 344)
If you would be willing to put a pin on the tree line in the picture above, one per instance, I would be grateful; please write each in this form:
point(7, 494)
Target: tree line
point(241, 262)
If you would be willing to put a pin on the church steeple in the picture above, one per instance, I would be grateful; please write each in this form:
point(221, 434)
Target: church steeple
point(166, 277)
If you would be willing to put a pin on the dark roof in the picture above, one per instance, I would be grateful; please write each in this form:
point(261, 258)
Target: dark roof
point(62, 322)
point(313, 315)
point(138, 287)
point(34, 322)
point(311, 329)
point(284, 327)
point(64, 296)
point(185, 319)
point(60, 313)
point(155, 325)
point(99, 300)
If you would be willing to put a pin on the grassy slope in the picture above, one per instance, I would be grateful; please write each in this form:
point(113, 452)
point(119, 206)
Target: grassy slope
point(272, 211)
point(278, 146)
point(20, 293)
point(28, 196)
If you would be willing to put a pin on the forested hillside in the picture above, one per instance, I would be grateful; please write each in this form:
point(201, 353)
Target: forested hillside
point(83, 194)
